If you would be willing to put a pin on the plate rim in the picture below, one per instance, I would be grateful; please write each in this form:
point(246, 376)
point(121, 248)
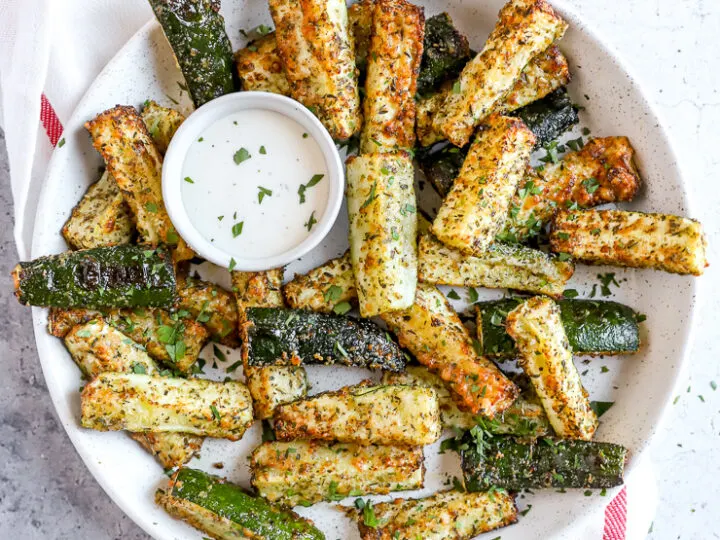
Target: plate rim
point(658, 414)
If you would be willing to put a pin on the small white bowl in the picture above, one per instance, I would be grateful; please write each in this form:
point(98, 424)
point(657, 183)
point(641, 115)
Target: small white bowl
point(205, 116)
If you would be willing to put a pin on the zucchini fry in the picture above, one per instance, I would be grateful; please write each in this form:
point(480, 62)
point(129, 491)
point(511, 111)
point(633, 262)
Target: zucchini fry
point(445, 53)
point(260, 68)
point(502, 266)
point(324, 287)
point(269, 386)
point(307, 472)
point(140, 403)
point(477, 206)
point(447, 514)
point(133, 160)
point(101, 218)
point(363, 414)
point(525, 29)
point(635, 239)
point(383, 230)
point(161, 123)
point(96, 347)
point(393, 64)
point(434, 334)
point(523, 418)
point(212, 306)
point(603, 171)
point(316, 48)
point(546, 357)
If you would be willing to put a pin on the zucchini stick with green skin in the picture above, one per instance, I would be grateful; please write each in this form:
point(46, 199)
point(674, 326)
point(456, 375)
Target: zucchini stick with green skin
point(288, 337)
point(477, 206)
point(445, 53)
point(383, 230)
point(307, 472)
point(635, 239)
point(324, 287)
point(502, 266)
point(435, 335)
point(269, 386)
point(224, 510)
point(196, 32)
point(523, 418)
point(364, 414)
point(512, 465)
point(116, 276)
point(447, 514)
point(545, 356)
point(316, 48)
point(525, 29)
point(160, 332)
point(133, 160)
point(140, 403)
point(592, 327)
point(96, 347)
point(396, 48)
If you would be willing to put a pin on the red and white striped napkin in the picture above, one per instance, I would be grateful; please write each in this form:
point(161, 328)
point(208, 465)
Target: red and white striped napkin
point(50, 52)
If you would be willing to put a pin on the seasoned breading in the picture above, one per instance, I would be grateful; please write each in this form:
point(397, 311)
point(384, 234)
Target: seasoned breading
point(545, 356)
point(212, 306)
point(396, 48)
point(432, 331)
point(260, 68)
point(360, 16)
point(324, 287)
point(383, 230)
point(477, 206)
point(501, 266)
point(133, 160)
point(317, 52)
point(525, 29)
point(364, 414)
point(615, 237)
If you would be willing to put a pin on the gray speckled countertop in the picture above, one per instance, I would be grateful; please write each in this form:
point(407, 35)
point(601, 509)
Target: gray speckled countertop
point(672, 46)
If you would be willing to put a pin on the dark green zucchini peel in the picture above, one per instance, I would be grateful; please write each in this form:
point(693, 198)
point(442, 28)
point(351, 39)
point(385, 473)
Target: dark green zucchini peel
point(445, 53)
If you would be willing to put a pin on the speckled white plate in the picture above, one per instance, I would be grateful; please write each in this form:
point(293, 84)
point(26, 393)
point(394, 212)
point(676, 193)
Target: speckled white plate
point(640, 385)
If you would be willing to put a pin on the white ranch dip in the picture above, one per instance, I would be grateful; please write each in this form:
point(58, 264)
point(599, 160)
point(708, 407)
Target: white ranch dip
point(255, 183)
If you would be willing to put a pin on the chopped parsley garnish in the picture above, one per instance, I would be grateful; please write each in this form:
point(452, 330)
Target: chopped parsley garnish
point(305, 135)
point(601, 407)
point(232, 367)
point(570, 293)
point(456, 87)
point(232, 265)
point(264, 192)
point(189, 180)
point(576, 144)
point(604, 369)
point(408, 209)
point(151, 207)
point(201, 139)
point(215, 412)
point(369, 518)
point(220, 218)
point(473, 295)
point(241, 155)
point(551, 155)
point(371, 197)
point(219, 354)
point(452, 294)
point(333, 293)
point(61, 143)
point(263, 30)
point(333, 495)
point(591, 185)
point(237, 229)
point(562, 257)
point(262, 150)
point(605, 281)
point(342, 308)
point(313, 182)
point(311, 221)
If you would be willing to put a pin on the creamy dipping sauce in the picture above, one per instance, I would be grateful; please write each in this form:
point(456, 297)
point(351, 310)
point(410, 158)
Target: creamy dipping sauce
point(255, 183)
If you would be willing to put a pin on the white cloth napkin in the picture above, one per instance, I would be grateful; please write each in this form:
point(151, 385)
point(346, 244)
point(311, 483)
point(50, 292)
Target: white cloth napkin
point(56, 48)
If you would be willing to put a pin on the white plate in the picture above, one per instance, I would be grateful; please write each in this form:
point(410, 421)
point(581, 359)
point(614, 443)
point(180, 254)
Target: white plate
point(640, 385)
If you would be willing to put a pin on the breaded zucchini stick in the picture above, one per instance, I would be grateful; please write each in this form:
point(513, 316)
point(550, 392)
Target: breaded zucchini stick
point(383, 230)
point(324, 287)
point(477, 206)
point(260, 68)
point(546, 357)
point(396, 48)
point(212, 306)
point(316, 48)
point(525, 29)
point(615, 237)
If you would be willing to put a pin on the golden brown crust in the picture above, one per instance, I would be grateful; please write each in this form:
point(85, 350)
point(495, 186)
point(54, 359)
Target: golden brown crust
point(260, 68)
point(313, 290)
point(212, 306)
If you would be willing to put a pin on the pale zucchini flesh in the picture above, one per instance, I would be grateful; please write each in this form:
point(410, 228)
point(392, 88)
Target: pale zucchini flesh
point(393, 64)
point(545, 356)
point(383, 230)
point(161, 123)
point(364, 414)
point(133, 160)
point(140, 403)
point(101, 218)
point(447, 514)
point(502, 266)
point(307, 472)
point(523, 418)
point(525, 29)
point(97, 347)
point(434, 334)
point(635, 239)
point(316, 48)
point(477, 206)
point(324, 287)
